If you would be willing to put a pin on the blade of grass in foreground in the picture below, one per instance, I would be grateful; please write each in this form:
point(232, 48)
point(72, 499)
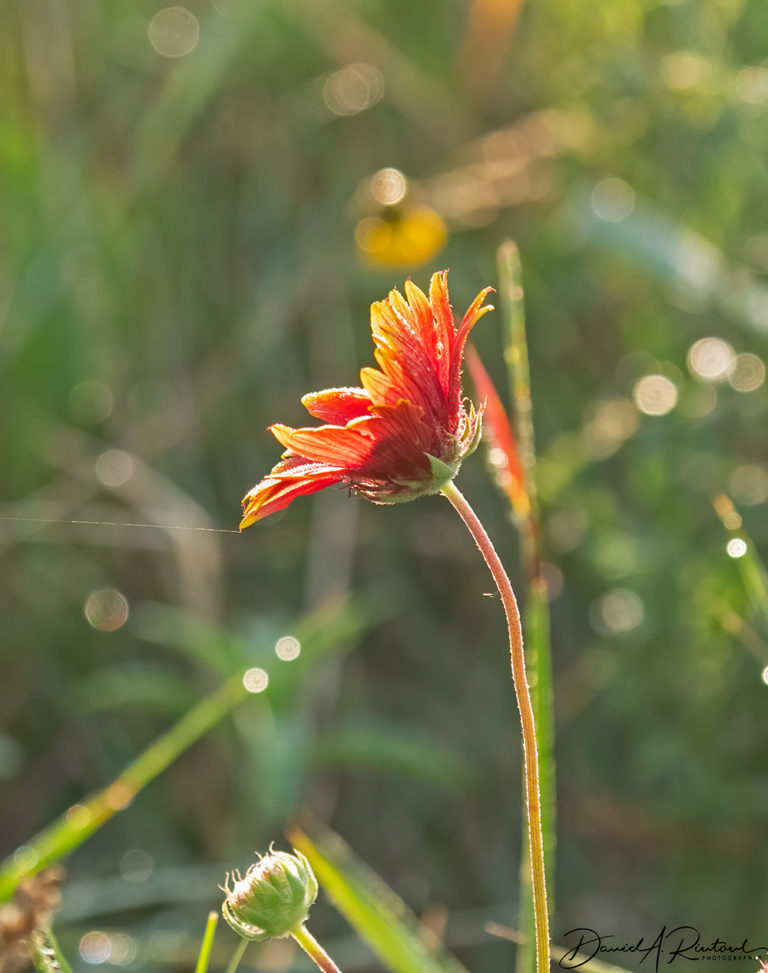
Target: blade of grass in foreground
point(81, 820)
point(46, 953)
point(518, 370)
point(742, 548)
point(204, 956)
point(372, 908)
point(538, 649)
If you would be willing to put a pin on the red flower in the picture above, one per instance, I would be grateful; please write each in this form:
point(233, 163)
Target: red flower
point(405, 432)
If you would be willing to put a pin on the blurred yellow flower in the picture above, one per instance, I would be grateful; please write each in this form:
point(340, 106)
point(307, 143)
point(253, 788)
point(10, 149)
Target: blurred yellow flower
point(405, 237)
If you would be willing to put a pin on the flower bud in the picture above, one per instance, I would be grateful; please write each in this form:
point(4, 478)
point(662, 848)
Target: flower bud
point(273, 898)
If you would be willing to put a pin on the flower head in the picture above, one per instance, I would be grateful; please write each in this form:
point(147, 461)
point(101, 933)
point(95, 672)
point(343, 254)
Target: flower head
point(404, 433)
point(273, 897)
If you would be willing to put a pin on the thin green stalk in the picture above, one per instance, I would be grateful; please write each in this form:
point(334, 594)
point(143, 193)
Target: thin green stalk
point(81, 820)
point(204, 957)
point(527, 720)
point(538, 641)
point(46, 953)
point(314, 950)
point(518, 369)
point(751, 568)
point(538, 661)
point(238, 955)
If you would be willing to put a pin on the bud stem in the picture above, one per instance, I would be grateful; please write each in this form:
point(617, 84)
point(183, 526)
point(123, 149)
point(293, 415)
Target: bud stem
point(530, 750)
point(237, 955)
point(313, 949)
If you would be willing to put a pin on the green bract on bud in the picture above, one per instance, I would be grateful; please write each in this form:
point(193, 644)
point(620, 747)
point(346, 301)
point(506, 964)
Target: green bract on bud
point(273, 897)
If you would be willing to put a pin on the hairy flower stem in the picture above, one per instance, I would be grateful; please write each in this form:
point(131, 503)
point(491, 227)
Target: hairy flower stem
point(530, 751)
point(313, 949)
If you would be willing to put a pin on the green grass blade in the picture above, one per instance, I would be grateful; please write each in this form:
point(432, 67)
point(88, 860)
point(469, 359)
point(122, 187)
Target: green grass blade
point(372, 908)
point(204, 956)
point(46, 953)
point(516, 357)
point(540, 675)
point(81, 820)
point(751, 568)
point(538, 649)
point(539, 664)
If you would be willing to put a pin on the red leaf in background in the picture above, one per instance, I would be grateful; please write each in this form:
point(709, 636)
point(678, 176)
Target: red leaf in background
point(497, 430)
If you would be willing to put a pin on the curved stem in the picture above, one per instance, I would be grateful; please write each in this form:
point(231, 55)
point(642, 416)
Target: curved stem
point(238, 955)
point(530, 751)
point(313, 949)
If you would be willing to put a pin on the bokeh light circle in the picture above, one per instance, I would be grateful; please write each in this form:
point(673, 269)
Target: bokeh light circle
point(78, 816)
point(25, 858)
point(106, 609)
point(613, 200)
point(95, 948)
point(174, 32)
point(711, 359)
point(655, 395)
point(287, 648)
point(136, 866)
point(255, 680)
point(736, 547)
point(353, 89)
point(748, 484)
point(388, 186)
point(114, 467)
point(617, 611)
point(748, 373)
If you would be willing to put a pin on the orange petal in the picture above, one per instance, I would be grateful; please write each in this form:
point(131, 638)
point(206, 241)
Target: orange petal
point(401, 307)
point(422, 313)
point(474, 313)
point(334, 445)
point(275, 493)
point(380, 387)
point(445, 329)
point(404, 357)
point(337, 406)
point(403, 435)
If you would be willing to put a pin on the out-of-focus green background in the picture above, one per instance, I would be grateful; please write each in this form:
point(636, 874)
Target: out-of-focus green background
point(198, 206)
